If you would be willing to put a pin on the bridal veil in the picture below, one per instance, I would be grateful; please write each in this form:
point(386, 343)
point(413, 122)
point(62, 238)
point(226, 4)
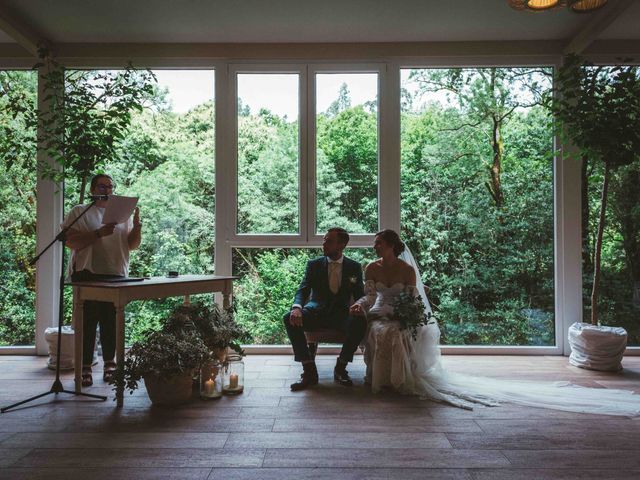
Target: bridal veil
point(434, 382)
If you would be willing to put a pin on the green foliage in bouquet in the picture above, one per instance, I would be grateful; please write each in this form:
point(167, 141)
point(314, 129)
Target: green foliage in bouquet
point(165, 354)
point(410, 312)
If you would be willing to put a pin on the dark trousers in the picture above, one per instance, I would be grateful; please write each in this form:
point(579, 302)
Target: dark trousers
point(354, 328)
point(94, 314)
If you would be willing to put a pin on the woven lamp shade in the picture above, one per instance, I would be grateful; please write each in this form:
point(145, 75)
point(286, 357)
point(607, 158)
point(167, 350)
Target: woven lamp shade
point(542, 4)
point(535, 5)
point(583, 6)
point(577, 6)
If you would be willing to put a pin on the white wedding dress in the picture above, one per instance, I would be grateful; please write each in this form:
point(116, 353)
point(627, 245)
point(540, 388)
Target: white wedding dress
point(394, 359)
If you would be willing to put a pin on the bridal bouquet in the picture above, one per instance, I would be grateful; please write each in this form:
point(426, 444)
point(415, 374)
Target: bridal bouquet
point(410, 311)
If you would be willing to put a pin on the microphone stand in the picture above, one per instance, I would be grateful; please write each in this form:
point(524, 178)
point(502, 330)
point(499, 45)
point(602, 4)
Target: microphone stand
point(57, 386)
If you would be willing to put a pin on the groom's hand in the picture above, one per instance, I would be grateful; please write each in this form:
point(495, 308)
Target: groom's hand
point(295, 318)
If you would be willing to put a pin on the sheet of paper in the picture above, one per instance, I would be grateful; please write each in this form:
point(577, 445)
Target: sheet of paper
point(119, 209)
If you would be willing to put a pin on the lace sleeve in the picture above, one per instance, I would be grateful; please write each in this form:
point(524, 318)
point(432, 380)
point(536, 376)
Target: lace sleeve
point(369, 298)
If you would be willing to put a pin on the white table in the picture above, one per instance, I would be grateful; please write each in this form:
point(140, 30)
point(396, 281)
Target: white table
point(121, 293)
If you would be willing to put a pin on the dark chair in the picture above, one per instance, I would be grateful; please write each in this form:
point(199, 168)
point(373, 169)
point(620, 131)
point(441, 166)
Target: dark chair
point(326, 335)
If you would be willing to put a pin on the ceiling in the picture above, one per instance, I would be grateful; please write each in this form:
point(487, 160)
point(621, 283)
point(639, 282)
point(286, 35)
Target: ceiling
point(299, 21)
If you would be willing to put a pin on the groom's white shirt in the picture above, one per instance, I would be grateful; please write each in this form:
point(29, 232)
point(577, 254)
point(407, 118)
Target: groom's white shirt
point(338, 272)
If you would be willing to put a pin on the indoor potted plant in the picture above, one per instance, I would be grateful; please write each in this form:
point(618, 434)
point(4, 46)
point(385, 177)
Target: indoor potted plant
point(166, 361)
point(169, 359)
point(598, 111)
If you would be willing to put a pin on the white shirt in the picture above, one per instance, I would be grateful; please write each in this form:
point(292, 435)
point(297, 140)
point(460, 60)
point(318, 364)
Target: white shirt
point(108, 255)
point(338, 268)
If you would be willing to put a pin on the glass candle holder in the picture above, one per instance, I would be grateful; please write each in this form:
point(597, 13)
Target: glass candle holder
point(211, 379)
point(233, 376)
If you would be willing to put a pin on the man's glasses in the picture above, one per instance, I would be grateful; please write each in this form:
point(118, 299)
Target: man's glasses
point(104, 188)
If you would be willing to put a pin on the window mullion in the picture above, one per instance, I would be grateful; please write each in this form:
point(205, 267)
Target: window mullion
point(389, 148)
point(311, 180)
point(306, 199)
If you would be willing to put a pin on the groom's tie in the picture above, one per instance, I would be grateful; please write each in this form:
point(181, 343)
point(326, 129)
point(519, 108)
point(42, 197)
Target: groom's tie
point(334, 279)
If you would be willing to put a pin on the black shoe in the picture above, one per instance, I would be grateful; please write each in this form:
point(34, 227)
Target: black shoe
point(341, 376)
point(309, 377)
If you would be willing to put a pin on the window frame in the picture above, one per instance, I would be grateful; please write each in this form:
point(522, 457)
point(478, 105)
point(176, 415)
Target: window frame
point(568, 280)
point(313, 236)
point(261, 239)
point(559, 252)
point(307, 181)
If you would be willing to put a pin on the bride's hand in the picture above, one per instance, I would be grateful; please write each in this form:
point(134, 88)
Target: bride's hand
point(356, 310)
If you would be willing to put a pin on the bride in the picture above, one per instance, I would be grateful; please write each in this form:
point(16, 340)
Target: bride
point(413, 365)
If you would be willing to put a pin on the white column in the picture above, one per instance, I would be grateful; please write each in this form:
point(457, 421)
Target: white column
point(49, 215)
point(568, 245)
point(568, 239)
point(389, 147)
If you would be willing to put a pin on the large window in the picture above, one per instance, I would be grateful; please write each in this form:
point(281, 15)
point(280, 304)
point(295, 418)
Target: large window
point(297, 178)
point(268, 153)
point(167, 160)
point(347, 151)
point(619, 289)
point(17, 207)
point(477, 200)
point(476, 191)
point(304, 147)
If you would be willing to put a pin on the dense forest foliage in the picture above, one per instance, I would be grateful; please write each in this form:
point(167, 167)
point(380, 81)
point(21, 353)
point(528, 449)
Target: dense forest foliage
point(477, 204)
point(17, 207)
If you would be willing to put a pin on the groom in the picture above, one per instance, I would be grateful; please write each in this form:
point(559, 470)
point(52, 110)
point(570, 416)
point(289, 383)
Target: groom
point(330, 284)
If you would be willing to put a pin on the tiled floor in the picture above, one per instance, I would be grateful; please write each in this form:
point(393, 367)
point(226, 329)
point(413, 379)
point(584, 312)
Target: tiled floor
point(330, 431)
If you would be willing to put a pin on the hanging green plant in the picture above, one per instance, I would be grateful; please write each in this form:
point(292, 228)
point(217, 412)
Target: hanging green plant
point(89, 113)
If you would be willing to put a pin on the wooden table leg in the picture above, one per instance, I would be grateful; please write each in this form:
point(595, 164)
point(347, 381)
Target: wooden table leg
point(226, 295)
point(120, 351)
point(78, 314)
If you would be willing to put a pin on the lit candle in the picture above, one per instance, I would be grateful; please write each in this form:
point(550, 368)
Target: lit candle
point(209, 386)
point(233, 380)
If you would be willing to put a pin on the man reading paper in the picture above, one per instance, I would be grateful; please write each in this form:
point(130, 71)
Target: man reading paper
point(100, 251)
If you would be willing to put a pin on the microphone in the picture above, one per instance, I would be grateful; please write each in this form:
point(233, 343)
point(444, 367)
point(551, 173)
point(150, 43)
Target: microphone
point(95, 198)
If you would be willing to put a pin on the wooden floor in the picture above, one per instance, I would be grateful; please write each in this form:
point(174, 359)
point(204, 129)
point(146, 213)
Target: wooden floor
point(270, 432)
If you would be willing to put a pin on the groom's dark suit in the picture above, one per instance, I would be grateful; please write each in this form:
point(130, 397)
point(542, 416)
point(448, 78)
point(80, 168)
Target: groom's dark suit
point(321, 308)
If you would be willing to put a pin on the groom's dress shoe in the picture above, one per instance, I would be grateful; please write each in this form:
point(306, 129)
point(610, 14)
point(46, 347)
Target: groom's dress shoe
point(341, 376)
point(308, 379)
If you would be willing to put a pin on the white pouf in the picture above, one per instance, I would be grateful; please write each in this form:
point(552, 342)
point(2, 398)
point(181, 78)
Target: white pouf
point(597, 347)
point(66, 347)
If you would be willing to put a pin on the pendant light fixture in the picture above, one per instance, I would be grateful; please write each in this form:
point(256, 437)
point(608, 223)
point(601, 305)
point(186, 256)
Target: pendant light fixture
point(584, 6)
point(576, 6)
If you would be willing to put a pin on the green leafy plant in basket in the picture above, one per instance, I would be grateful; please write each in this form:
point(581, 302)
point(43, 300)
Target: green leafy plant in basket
point(410, 312)
point(166, 361)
